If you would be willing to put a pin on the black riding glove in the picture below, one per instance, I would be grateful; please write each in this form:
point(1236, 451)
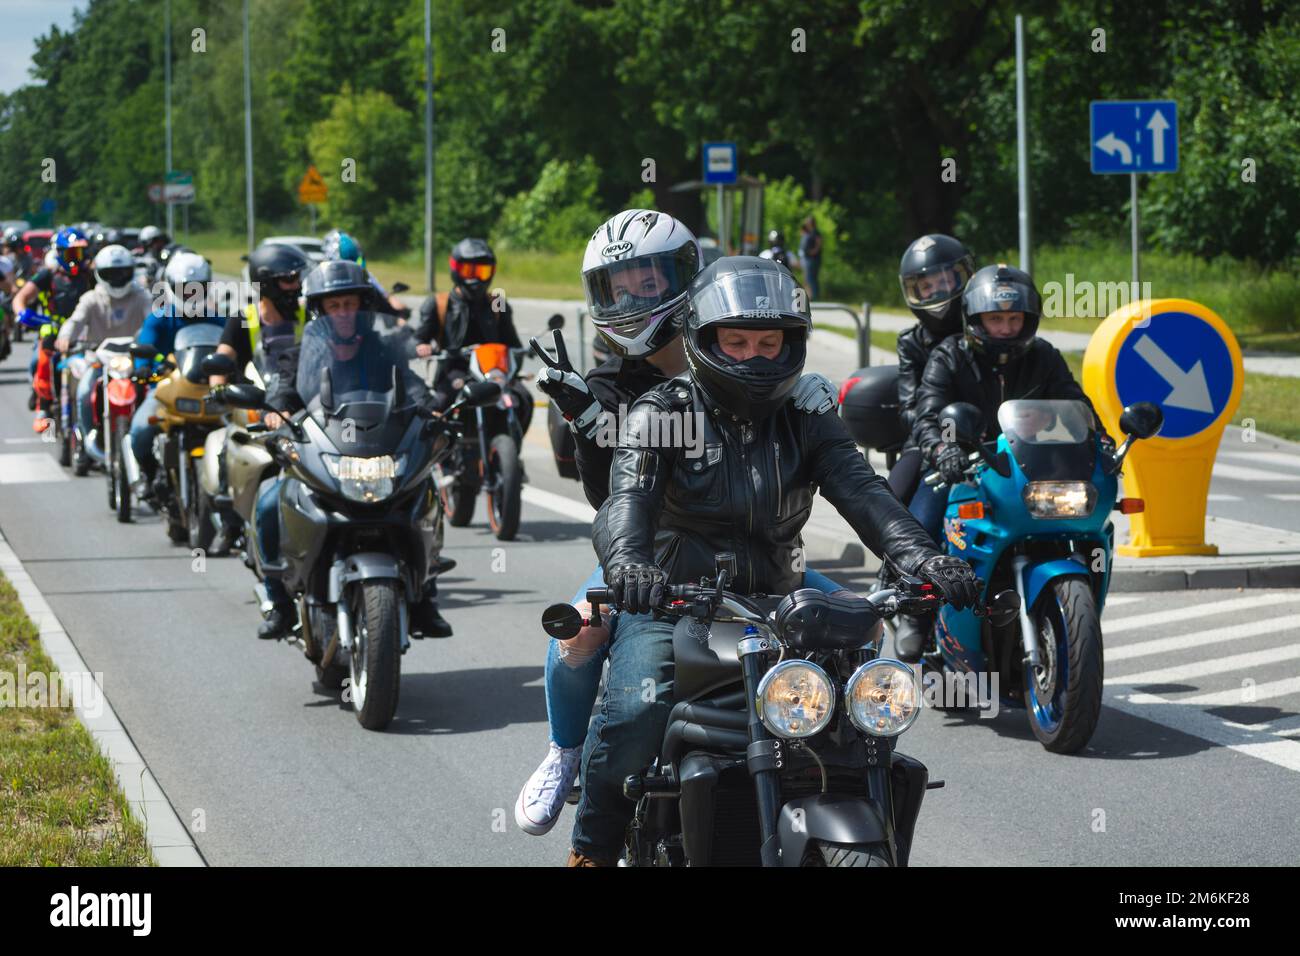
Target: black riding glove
point(566, 388)
point(951, 463)
point(636, 588)
point(954, 577)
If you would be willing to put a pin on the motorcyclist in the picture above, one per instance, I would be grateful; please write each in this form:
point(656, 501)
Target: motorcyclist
point(473, 317)
point(186, 299)
point(933, 273)
point(152, 243)
point(275, 321)
point(8, 289)
point(636, 294)
point(337, 294)
point(11, 245)
point(340, 245)
point(53, 292)
point(749, 492)
point(116, 306)
point(997, 358)
point(777, 251)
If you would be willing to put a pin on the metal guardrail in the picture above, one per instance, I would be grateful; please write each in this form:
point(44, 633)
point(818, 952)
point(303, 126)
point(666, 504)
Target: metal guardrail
point(863, 323)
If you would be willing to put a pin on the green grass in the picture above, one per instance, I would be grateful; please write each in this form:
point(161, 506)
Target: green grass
point(59, 801)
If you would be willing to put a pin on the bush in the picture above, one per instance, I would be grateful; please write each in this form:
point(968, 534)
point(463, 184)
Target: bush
point(558, 214)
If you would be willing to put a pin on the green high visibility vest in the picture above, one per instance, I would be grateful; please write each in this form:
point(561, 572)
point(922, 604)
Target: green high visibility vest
point(254, 322)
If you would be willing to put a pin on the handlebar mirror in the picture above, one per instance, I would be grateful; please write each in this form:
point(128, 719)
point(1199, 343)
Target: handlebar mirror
point(480, 393)
point(245, 396)
point(1141, 420)
point(1004, 608)
point(966, 420)
point(217, 364)
point(140, 350)
point(562, 621)
point(555, 322)
point(400, 287)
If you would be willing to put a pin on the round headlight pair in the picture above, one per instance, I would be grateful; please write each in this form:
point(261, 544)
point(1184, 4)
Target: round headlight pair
point(796, 699)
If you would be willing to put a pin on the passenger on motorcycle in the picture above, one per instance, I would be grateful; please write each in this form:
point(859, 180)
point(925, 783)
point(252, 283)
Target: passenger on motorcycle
point(748, 492)
point(997, 358)
point(186, 299)
point(340, 245)
point(338, 294)
point(933, 273)
point(636, 294)
point(117, 306)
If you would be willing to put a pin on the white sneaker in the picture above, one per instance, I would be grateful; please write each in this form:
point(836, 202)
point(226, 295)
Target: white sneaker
point(543, 796)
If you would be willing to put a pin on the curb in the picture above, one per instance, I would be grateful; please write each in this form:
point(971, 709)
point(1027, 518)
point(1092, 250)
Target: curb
point(169, 840)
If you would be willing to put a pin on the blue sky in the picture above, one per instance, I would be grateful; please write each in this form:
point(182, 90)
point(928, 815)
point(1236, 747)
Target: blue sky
point(21, 22)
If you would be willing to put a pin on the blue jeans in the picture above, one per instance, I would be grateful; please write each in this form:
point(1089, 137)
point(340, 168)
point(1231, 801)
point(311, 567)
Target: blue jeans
point(627, 732)
point(928, 506)
point(142, 432)
point(267, 517)
point(85, 400)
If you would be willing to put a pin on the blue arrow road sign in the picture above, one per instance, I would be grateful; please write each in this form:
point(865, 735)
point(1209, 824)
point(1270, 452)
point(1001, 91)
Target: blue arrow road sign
point(720, 163)
point(1134, 136)
point(1181, 363)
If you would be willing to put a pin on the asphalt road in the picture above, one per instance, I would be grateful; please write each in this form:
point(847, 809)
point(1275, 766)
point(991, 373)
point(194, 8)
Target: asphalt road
point(1182, 770)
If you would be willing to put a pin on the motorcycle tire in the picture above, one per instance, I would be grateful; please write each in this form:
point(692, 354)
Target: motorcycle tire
point(1064, 700)
point(198, 523)
point(504, 501)
point(119, 484)
point(458, 501)
point(66, 441)
point(821, 854)
point(375, 663)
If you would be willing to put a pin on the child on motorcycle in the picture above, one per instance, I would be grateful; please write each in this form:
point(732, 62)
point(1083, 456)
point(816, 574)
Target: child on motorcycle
point(997, 358)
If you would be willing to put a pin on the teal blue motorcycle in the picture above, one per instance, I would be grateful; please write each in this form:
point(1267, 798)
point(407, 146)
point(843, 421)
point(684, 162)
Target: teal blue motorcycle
point(1034, 515)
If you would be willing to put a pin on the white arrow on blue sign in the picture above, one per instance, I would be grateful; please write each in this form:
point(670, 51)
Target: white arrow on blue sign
point(1134, 136)
point(1181, 363)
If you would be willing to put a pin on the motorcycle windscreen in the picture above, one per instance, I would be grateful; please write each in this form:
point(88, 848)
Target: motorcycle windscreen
point(193, 343)
point(346, 369)
point(1051, 439)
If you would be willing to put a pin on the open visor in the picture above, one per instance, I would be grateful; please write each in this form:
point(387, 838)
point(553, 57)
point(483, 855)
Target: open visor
point(632, 287)
point(937, 285)
point(762, 299)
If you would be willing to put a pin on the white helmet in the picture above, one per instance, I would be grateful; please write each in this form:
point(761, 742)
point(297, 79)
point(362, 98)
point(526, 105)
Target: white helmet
point(184, 270)
point(114, 270)
point(148, 234)
point(635, 272)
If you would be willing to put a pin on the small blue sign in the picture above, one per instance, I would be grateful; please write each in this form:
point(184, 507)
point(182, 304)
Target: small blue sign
point(48, 206)
point(720, 164)
point(1134, 136)
point(1181, 363)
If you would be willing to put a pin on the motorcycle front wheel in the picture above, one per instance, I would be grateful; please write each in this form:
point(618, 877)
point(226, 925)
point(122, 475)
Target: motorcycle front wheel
point(376, 659)
point(821, 854)
point(506, 480)
point(118, 483)
point(1063, 695)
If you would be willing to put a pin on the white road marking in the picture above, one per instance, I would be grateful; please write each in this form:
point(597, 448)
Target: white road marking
point(23, 441)
point(1115, 600)
point(1217, 665)
point(1224, 497)
point(1268, 457)
point(1275, 749)
point(1244, 696)
point(29, 467)
point(1182, 642)
point(1191, 613)
point(1237, 473)
point(1285, 497)
point(577, 510)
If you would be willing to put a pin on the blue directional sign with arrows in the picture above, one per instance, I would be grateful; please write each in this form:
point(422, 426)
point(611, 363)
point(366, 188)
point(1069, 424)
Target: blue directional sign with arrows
point(1134, 136)
point(1180, 362)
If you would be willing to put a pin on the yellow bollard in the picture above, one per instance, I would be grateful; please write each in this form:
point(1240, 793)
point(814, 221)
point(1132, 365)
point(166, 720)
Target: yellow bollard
point(1181, 356)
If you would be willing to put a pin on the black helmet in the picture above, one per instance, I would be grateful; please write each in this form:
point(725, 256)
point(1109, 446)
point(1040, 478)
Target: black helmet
point(338, 277)
point(936, 304)
point(1001, 288)
point(750, 293)
point(473, 263)
point(12, 237)
point(776, 238)
point(274, 261)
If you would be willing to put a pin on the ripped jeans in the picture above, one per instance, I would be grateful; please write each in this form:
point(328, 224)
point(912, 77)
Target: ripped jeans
point(571, 687)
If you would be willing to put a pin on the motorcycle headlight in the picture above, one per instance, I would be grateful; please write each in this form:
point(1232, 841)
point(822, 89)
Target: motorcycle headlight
point(122, 364)
point(363, 479)
point(1060, 499)
point(883, 697)
point(795, 699)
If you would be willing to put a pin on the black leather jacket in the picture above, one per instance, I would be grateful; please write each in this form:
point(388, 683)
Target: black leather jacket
point(954, 374)
point(749, 490)
point(914, 348)
point(615, 382)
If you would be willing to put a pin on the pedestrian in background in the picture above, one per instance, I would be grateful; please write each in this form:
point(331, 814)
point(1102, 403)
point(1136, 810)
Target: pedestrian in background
point(810, 252)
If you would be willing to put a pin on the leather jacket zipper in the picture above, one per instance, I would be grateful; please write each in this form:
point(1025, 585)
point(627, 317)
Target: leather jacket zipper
point(776, 448)
point(749, 503)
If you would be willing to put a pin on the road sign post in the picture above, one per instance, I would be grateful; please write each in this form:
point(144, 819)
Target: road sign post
point(1133, 136)
point(1182, 357)
point(721, 167)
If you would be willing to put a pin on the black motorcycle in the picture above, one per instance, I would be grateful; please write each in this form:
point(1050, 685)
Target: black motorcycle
point(781, 747)
point(359, 521)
